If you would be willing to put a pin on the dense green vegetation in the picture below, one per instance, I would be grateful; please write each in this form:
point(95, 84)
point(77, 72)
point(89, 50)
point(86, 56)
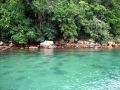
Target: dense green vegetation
point(33, 21)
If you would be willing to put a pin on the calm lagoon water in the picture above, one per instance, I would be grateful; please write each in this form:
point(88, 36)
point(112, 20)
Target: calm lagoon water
point(70, 69)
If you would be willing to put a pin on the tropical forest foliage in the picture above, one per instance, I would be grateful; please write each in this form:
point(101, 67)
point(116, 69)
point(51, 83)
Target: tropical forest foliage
point(33, 21)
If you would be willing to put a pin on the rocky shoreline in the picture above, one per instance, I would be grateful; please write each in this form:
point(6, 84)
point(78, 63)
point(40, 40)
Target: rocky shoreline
point(89, 44)
point(58, 45)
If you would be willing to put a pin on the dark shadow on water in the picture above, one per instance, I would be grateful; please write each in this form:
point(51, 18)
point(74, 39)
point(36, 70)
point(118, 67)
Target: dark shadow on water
point(36, 66)
point(59, 64)
point(13, 89)
point(42, 73)
point(40, 64)
point(20, 78)
point(21, 71)
point(58, 71)
point(79, 55)
point(6, 73)
point(98, 66)
point(7, 66)
point(43, 63)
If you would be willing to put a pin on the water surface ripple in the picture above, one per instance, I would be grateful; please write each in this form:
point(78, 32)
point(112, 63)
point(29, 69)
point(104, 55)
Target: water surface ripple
point(70, 69)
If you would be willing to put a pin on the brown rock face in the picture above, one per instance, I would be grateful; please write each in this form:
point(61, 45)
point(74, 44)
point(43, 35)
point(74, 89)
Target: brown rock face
point(88, 44)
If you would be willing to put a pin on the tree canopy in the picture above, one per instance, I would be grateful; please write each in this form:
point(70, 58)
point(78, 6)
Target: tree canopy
point(33, 21)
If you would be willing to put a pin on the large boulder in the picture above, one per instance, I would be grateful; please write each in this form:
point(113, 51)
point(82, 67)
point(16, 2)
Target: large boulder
point(86, 42)
point(117, 41)
point(91, 41)
point(112, 44)
point(47, 44)
point(11, 44)
point(80, 42)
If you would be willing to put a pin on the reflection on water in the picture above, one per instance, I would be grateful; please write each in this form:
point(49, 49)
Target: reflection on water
point(49, 69)
point(48, 51)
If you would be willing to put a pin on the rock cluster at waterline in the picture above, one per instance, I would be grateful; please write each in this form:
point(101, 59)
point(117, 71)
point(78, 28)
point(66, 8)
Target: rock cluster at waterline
point(58, 44)
point(88, 44)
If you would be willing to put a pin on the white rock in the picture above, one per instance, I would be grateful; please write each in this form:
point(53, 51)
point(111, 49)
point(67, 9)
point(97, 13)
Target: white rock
point(86, 42)
point(111, 42)
point(80, 42)
point(91, 41)
point(33, 47)
point(1, 43)
point(47, 44)
point(10, 44)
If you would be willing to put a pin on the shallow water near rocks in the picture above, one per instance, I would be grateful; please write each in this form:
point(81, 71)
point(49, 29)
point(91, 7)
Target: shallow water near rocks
point(61, 69)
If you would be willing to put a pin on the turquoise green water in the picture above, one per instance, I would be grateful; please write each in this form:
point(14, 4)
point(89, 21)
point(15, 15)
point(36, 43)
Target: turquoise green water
point(60, 70)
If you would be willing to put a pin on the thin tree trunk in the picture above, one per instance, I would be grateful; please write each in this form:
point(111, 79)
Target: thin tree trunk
point(40, 23)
